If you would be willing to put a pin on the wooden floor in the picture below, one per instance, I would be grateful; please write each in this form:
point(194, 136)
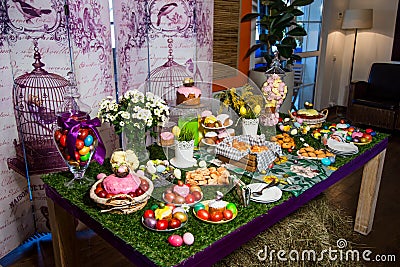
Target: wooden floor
point(384, 238)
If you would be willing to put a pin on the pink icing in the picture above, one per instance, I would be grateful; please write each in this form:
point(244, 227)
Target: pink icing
point(184, 90)
point(115, 185)
point(167, 135)
point(182, 190)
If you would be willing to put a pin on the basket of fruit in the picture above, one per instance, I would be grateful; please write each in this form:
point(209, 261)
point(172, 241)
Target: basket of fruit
point(121, 194)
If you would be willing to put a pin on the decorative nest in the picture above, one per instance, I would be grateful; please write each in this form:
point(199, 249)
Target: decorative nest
point(122, 203)
point(313, 121)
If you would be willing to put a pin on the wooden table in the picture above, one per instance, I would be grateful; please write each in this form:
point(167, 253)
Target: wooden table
point(62, 213)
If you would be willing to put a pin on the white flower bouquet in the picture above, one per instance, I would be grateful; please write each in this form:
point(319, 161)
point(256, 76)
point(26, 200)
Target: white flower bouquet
point(134, 109)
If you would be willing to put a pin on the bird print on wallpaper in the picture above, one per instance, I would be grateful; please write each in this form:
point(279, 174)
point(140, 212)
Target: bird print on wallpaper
point(30, 12)
point(193, 70)
point(164, 11)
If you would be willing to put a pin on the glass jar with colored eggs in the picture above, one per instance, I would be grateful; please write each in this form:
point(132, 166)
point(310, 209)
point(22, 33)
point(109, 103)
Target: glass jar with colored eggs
point(76, 141)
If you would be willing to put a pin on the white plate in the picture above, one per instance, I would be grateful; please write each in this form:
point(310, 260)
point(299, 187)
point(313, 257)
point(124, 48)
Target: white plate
point(342, 147)
point(187, 164)
point(219, 128)
point(269, 195)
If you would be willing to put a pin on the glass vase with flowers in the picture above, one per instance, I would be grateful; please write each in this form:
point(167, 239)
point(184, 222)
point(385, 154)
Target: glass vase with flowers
point(132, 116)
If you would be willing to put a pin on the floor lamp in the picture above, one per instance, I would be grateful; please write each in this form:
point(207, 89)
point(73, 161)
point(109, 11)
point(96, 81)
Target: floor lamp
point(355, 19)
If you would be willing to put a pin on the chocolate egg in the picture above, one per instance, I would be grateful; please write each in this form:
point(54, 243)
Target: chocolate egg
point(175, 240)
point(169, 197)
point(79, 144)
point(198, 206)
point(197, 195)
point(188, 238)
point(84, 150)
point(85, 157)
point(150, 222)
point(326, 161)
point(180, 216)
point(160, 168)
point(88, 140)
point(83, 133)
point(195, 188)
point(179, 199)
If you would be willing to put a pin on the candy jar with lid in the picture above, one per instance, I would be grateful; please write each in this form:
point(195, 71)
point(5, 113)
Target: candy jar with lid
point(274, 91)
point(76, 136)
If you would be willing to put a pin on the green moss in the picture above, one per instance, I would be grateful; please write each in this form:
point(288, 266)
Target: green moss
point(153, 244)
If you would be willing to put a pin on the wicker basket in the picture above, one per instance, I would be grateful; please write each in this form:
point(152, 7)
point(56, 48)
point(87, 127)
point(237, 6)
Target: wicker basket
point(122, 203)
point(315, 122)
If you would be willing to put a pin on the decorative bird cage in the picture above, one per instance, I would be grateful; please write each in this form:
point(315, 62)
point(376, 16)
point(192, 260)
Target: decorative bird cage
point(166, 78)
point(36, 96)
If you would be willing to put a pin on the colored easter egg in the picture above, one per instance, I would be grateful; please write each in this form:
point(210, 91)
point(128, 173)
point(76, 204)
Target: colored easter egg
point(373, 133)
point(85, 157)
point(160, 168)
point(332, 159)
point(83, 133)
point(88, 140)
point(63, 140)
point(188, 238)
point(85, 150)
point(79, 144)
point(326, 161)
point(297, 124)
point(349, 138)
point(232, 207)
point(369, 130)
point(175, 240)
point(198, 206)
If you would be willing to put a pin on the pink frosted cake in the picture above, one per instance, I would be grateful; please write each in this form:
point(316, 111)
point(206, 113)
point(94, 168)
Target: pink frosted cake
point(167, 138)
point(115, 185)
point(188, 94)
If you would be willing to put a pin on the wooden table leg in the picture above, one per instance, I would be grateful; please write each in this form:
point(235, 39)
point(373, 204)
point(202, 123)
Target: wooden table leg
point(369, 191)
point(63, 235)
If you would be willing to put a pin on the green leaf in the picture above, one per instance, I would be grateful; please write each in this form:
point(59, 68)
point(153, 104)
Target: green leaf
point(250, 16)
point(282, 21)
point(289, 41)
point(297, 12)
point(285, 51)
point(297, 31)
point(252, 49)
point(302, 2)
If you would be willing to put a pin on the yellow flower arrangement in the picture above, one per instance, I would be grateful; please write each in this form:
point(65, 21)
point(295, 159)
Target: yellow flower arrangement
point(244, 102)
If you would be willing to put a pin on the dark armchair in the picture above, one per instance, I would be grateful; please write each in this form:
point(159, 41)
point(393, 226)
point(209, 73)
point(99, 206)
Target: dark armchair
point(376, 102)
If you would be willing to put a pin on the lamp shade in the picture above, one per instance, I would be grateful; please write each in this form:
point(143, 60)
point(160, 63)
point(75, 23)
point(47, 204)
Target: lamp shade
point(357, 19)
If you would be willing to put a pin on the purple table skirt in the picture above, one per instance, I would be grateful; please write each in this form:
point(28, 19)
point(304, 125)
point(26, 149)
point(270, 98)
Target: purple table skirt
point(235, 239)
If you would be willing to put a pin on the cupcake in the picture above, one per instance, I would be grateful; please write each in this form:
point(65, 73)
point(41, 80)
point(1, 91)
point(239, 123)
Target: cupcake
point(216, 205)
point(167, 138)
